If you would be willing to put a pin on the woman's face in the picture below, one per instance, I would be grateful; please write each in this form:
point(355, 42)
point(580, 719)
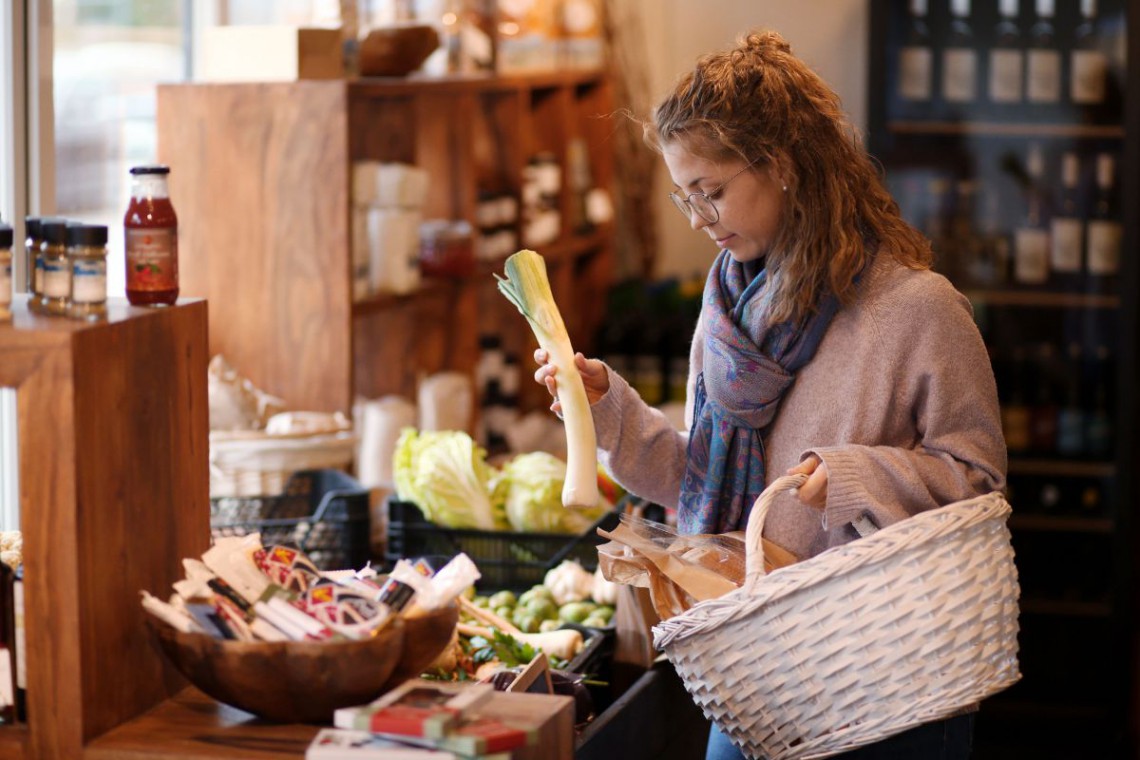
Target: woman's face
point(750, 205)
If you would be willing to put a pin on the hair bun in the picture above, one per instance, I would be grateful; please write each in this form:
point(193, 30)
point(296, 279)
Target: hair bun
point(765, 42)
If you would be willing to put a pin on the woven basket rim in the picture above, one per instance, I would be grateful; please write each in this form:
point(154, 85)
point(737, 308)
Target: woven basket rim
point(947, 521)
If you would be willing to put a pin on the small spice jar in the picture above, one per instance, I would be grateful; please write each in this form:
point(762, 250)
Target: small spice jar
point(87, 259)
point(56, 279)
point(32, 243)
point(5, 272)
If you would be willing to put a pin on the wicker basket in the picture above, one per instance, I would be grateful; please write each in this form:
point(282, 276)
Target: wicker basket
point(865, 640)
point(253, 463)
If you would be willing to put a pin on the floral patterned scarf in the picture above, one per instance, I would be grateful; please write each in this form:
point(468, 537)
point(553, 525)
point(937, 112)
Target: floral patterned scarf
point(749, 365)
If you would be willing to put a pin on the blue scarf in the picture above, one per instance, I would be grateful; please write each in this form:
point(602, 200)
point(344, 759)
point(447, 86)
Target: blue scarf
point(749, 365)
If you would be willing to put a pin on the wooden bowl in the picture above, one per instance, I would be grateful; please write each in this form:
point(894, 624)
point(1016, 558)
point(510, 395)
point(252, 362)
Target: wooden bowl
point(425, 638)
point(290, 681)
point(397, 50)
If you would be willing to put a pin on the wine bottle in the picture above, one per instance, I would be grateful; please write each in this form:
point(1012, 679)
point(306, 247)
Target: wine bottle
point(960, 57)
point(1043, 62)
point(1014, 410)
point(1071, 417)
point(1043, 412)
point(1007, 56)
point(1098, 420)
point(991, 267)
point(1088, 65)
point(916, 58)
point(1104, 230)
point(1031, 240)
point(1066, 229)
point(965, 243)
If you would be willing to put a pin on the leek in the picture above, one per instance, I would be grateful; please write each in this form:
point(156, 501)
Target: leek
point(528, 288)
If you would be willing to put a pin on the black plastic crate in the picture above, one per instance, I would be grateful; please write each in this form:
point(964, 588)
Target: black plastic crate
point(322, 512)
point(506, 560)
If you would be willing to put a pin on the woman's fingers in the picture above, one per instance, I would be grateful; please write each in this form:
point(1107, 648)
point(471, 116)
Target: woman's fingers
point(813, 492)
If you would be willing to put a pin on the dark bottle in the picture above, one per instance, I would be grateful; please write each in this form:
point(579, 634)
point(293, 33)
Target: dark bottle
point(1031, 240)
point(916, 57)
point(1098, 421)
point(1007, 57)
point(1015, 410)
point(965, 242)
point(1088, 65)
point(960, 57)
point(936, 224)
point(1071, 417)
point(1043, 410)
point(151, 230)
point(1104, 230)
point(1067, 229)
point(1043, 60)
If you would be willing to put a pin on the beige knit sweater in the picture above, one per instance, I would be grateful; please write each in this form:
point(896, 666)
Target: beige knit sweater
point(899, 402)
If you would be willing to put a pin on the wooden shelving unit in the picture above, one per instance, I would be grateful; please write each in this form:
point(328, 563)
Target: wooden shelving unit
point(113, 437)
point(260, 176)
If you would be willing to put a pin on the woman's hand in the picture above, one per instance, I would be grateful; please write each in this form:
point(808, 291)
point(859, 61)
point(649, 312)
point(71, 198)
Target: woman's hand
point(813, 493)
point(593, 373)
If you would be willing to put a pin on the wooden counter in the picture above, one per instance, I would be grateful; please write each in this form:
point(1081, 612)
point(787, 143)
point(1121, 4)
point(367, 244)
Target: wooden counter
point(191, 726)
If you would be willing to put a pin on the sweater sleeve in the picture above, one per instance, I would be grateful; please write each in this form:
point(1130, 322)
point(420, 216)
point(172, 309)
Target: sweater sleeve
point(638, 444)
point(938, 366)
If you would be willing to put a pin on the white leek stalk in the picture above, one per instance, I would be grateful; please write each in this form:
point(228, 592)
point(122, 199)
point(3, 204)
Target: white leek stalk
point(528, 288)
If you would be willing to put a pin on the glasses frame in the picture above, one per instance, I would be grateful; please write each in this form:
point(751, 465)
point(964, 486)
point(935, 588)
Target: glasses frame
point(686, 207)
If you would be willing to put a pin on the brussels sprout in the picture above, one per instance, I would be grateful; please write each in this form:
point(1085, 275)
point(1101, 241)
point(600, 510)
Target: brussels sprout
point(595, 621)
point(503, 599)
point(576, 612)
point(528, 623)
point(536, 592)
point(469, 593)
point(504, 612)
point(544, 608)
point(549, 625)
point(605, 612)
point(481, 601)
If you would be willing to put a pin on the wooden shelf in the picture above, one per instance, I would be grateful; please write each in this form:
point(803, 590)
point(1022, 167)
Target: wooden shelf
point(1064, 468)
point(1043, 298)
point(455, 84)
point(1060, 524)
point(557, 253)
point(1006, 129)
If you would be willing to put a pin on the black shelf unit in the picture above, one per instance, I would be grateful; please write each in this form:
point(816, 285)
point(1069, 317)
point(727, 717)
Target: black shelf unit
point(1074, 521)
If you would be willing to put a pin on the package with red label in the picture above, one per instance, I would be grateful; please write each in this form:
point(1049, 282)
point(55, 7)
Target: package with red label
point(288, 567)
point(343, 609)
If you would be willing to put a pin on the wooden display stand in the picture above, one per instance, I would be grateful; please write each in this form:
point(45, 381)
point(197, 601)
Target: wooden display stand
point(113, 442)
point(261, 177)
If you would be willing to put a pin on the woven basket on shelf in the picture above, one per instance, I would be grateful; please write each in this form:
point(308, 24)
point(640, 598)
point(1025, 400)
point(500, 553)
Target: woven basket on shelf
point(253, 463)
point(862, 641)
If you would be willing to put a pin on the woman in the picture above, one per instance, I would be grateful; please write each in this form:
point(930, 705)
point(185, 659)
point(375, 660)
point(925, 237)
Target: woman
point(825, 344)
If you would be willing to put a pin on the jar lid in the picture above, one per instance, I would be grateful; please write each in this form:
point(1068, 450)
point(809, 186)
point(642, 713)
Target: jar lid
point(87, 234)
point(32, 227)
point(151, 169)
point(53, 229)
point(5, 235)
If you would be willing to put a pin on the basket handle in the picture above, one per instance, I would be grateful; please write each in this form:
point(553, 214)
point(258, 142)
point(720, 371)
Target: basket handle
point(753, 545)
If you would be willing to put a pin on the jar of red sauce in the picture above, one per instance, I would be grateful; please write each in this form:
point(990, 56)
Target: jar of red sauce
point(151, 232)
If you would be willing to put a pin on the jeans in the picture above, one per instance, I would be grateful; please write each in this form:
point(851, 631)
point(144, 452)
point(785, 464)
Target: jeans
point(949, 739)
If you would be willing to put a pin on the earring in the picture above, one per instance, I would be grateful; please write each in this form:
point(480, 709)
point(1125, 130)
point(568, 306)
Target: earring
point(785, 188)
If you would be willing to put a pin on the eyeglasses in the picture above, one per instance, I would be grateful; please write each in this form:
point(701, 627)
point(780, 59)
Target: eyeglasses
point(702, 202)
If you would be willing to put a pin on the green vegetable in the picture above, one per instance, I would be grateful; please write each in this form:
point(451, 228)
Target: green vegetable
point(548, 625)
point(545, 609)
point(576, 612)
point(447, 476)
point(530, 486)
point(528, 288)
point(595, 621)
point(502, 599)
point(536, 592)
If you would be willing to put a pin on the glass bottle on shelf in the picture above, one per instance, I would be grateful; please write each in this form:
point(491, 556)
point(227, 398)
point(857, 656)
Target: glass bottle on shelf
point(934, 224)
point(960, 57)
point(56, 280)
point(916, 58)
point(1031, 240)
point(1007, 56)
point(1066, 229)
point(965, 243)
point(1043, 412)
point(1071, 417)
point(1088, 66)
point(1014, 409)
point(991, 267)
point(1104, 229)
point(151, 231)
point(1043, 62)
point(1098, 421)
